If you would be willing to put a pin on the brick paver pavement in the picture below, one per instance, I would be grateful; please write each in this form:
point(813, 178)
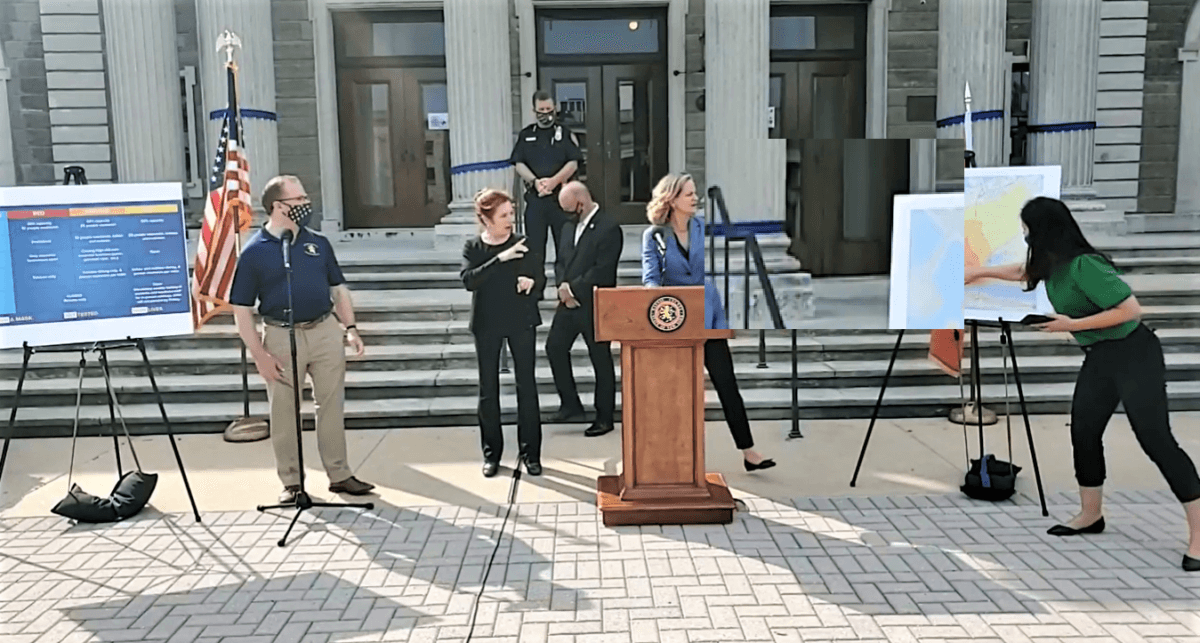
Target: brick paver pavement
point(895, 569)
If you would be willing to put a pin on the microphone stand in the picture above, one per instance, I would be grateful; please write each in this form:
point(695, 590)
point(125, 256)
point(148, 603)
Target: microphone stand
point(303, 500)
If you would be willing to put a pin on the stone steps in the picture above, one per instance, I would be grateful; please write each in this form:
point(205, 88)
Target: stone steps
point(413, 345)
point(420, 369)
point(1162, 222)
point(444, 376)
point(761, 403)
point(912, 371)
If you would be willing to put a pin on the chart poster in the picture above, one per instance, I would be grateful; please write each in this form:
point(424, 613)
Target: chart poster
point(87, 263)
point(926, 285)
point(995, 196)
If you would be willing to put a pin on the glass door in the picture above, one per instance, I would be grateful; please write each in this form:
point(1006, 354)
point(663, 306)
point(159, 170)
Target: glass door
point(376, 177)
point(635, 138)
point(577, 96)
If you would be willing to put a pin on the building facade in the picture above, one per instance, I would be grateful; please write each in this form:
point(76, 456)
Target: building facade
point(394, 112)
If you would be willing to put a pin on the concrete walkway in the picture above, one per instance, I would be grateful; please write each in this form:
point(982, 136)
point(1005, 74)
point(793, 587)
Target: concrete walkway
point(903, 557)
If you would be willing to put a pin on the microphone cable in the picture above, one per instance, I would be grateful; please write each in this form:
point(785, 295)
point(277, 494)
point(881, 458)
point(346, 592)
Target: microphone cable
point(512, 498)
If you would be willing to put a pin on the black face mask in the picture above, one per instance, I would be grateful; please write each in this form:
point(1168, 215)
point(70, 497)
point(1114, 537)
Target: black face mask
point(545, 120)
point(300, 214)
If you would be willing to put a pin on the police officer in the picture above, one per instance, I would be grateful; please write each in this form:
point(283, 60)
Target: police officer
point(322, 305)
point(545, 155)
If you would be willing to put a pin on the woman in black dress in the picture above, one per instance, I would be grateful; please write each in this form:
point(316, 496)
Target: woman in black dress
point(497, 271)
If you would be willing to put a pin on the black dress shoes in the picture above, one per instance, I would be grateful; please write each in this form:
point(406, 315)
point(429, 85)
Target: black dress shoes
point(1191, 564)
point(490, 469)
point(534, 468)
point(1064, 530)
point(568, 414)
point(765, 464)
point(598, 429)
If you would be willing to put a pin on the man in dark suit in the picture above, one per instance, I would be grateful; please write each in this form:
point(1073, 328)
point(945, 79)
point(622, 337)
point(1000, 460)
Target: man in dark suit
point(588, 254)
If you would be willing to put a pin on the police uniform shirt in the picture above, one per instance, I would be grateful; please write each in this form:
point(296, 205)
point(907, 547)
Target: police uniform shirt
point(545, 150)
point(260, 276)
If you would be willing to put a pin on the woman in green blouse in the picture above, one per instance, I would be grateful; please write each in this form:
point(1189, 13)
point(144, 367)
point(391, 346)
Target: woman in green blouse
point(1123, 362)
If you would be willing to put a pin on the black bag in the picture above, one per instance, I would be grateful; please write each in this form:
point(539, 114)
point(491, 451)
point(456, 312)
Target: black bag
point(997, 480)
point(995, 483)
point(131, 493)
point(128, 497)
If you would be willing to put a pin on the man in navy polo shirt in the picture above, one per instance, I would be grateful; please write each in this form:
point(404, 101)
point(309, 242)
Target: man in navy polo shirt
point(322, 305)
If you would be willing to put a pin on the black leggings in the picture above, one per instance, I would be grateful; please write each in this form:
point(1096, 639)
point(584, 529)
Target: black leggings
point(1132, 371)
point(718, 361)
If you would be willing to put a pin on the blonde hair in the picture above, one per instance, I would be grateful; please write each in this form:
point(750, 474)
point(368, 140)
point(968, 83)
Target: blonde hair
point(487, 201)
point(658, 210)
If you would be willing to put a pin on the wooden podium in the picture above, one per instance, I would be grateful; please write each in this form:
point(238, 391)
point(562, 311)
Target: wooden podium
point(663, 482)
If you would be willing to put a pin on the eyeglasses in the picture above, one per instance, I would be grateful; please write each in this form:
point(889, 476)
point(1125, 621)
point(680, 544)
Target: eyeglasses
point(543, 111)
point(302, 197)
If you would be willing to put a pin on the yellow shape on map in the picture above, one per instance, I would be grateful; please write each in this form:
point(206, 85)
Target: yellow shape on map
point(990, 223)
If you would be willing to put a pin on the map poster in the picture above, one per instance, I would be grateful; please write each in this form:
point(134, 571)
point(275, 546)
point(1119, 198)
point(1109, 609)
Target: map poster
point(926, 290)
point(995, 196)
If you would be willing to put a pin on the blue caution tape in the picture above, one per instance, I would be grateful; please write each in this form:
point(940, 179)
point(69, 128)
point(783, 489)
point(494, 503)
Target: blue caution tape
point(480, 167)
point(1061, 127)
point(746, 228)
point(990, 115)
point(218, 114)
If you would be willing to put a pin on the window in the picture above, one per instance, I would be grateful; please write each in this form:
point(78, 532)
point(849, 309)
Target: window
point(363, 36)
point(800, 32)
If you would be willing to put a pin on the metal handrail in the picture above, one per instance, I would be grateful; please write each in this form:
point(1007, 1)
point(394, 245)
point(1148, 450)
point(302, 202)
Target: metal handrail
point(752, 249)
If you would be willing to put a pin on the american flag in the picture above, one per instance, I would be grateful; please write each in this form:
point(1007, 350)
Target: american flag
point(226, 212)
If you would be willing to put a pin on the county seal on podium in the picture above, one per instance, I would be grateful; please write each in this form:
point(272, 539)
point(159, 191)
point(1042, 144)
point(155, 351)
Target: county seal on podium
point(667, 313)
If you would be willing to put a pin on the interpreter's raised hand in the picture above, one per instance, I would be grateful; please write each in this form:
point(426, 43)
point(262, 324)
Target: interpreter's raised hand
point(516, 252)
point(1061, 324)
point(271, 368)
point(524, 285)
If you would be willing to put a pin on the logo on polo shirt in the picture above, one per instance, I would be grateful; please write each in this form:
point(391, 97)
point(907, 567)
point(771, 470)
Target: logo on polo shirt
point(310, 249)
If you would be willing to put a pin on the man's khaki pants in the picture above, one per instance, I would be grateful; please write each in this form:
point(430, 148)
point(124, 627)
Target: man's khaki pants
point(321, 353)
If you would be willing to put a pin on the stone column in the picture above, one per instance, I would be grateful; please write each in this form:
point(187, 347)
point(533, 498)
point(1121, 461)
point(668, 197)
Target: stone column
point(251, 21)
point(971, 37)
point(143, 76)
point(8, 163)
point(737, 70)
point(479, 85)
point(1187, 187)
point(1064, 67)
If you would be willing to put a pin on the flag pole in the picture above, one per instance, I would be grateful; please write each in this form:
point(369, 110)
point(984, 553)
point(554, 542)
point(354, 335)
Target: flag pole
point(969, 412)
point(245, 428)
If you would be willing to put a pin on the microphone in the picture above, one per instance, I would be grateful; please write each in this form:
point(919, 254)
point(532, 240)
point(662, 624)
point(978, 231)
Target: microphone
point(287, 246)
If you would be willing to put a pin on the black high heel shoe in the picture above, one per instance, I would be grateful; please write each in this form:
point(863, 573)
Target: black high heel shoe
point(1064, 530)
point(765, 464)
point(1191, 564)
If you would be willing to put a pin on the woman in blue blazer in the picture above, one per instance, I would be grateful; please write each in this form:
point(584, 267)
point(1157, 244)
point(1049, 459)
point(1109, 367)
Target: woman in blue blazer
point(673, 255)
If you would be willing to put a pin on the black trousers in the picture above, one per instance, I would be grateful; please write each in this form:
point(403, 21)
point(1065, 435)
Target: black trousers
point(567, 325)
point(718, 361)
point(529, 422)
point(1131, 371)
point(542, 214)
